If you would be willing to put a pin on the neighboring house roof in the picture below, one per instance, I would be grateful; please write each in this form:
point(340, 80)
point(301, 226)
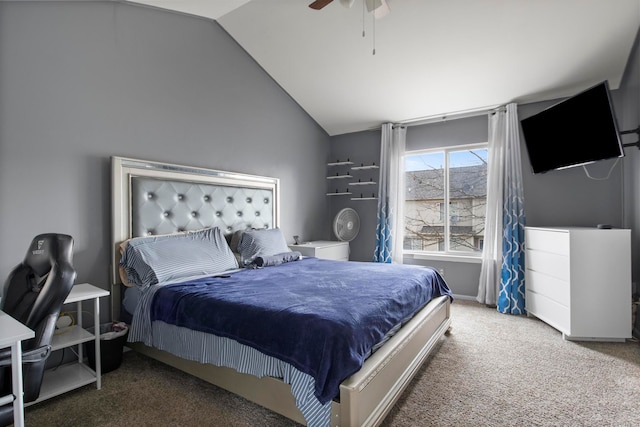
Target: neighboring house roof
point(464, 183)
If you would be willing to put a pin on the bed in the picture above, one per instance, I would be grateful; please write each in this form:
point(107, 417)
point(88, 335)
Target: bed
point(157, 205)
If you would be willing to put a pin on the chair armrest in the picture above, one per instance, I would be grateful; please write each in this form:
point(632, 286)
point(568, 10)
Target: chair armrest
point(31, 356)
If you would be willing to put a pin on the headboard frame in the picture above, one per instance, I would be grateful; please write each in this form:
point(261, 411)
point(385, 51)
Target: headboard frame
point(151, 198)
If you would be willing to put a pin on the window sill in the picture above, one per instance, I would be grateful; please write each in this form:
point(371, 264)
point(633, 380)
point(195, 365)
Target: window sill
point(473, 259)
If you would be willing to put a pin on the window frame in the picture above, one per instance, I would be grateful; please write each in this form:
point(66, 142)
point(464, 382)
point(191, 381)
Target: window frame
point(447, 254)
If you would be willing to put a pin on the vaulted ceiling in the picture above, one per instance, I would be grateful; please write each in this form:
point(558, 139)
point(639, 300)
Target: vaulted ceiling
point(432, 57)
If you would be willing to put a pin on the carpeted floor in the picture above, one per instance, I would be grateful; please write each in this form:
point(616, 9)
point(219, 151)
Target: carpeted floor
point(491, 370)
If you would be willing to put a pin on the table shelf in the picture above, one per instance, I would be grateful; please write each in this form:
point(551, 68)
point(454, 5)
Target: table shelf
point(72, 335)
point(67, 377)
point(64, 378)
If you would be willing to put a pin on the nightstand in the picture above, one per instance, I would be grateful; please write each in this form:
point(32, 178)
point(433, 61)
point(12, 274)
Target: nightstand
point(324, 249)
point(76, 374)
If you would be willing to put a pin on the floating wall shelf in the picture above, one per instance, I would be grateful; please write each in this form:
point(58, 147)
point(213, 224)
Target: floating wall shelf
point(341, 171)
point(339, 163)
point(363, 167)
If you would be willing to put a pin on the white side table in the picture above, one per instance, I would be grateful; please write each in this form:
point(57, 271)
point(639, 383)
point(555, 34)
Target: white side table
point(327, 249)
point(77, 374)
point(12, 333)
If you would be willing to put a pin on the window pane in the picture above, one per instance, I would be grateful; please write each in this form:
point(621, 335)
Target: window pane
point(467, 199)
point(445, 200)
point(424, 200)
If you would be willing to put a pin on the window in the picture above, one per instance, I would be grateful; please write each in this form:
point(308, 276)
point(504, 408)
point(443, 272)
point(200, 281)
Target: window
point(446, 200)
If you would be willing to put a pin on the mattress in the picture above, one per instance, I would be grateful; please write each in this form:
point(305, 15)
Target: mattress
point(320, 318)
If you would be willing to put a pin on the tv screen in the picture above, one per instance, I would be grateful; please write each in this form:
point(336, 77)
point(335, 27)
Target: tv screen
point(579, 130)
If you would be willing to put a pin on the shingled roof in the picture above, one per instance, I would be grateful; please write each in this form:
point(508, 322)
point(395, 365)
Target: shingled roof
point(464, 182)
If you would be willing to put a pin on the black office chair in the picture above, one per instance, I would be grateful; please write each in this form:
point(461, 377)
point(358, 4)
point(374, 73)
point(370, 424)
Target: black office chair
point(34, 294)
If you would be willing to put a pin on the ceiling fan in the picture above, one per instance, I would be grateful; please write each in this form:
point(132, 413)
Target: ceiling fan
point(319, 4)
point(379, 7)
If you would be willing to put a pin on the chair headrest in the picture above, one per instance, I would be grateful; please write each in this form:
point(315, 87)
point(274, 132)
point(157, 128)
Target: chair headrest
point(46, 249)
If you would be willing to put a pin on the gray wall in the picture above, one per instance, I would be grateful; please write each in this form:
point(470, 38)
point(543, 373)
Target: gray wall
point(557, 198)
point(629, 118)
point(462, 277)
point(365, 147)
point(569, 197)
point(360, 148)
point(80, 82)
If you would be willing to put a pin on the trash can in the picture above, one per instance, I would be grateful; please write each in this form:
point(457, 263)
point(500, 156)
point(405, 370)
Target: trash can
point(112, 339)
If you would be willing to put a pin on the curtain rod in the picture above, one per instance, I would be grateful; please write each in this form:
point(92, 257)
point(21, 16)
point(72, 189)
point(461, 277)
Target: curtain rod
point(444, 117)
point(451, 115)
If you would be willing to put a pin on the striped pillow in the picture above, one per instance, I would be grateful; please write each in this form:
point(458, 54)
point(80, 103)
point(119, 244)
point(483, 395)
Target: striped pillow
point(257, 243)
point(160, 259)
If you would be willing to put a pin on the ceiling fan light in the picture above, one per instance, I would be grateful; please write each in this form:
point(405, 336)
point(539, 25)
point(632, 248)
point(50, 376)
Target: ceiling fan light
point(382, 11)
point(373, 4)
point(347, 3)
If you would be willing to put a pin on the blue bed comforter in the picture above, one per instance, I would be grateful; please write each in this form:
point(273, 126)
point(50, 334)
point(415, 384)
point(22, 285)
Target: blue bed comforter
point(321, 316)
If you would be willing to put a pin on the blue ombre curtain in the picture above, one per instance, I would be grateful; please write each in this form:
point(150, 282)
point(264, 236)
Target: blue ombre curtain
point(511, 293)
point(390, 195)
point(502, 273)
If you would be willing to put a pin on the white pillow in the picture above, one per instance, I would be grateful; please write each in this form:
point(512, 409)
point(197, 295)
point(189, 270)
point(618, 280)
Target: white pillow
point(160, 259)
point(257, 243)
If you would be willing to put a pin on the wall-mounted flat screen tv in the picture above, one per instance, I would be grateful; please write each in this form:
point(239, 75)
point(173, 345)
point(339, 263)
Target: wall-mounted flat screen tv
point(579, 130)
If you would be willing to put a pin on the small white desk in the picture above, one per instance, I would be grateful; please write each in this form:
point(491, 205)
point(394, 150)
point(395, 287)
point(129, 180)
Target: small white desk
point(12, 333)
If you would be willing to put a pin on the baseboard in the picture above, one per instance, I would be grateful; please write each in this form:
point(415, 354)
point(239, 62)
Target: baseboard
point(464, 297)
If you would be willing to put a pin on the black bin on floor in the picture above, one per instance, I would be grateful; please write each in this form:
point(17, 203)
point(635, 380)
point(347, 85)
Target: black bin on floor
point(112, 339)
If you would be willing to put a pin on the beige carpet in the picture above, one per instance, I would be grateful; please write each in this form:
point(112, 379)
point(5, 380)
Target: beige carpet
point(492, 370)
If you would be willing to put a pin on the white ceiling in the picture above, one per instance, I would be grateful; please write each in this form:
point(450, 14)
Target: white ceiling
point(432, 57)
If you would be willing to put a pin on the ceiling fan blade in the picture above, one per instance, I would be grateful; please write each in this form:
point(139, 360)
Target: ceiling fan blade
point(319, 4)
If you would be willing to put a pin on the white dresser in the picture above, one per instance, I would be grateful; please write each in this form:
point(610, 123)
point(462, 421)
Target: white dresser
point(327, 249)
point(578, 280)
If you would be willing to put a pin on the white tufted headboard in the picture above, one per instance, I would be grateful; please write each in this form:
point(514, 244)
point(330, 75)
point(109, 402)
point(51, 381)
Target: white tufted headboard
point(150, 198)
point(162, 206)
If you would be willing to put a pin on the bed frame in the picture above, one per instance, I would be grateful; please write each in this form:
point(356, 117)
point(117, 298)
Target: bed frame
point(157, 198)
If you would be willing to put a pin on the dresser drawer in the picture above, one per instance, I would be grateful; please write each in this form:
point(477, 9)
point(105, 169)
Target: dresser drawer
point(548, 311)
point(550, 264)
point(553, 288)
point(555, 242)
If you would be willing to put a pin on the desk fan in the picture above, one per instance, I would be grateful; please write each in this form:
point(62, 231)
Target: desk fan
point(346, 225)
